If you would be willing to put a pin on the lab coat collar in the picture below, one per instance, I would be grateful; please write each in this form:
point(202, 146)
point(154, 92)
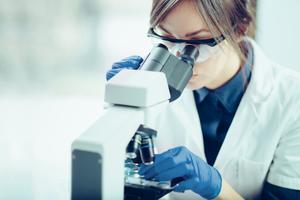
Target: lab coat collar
point(248, 113)
point(262, 80)
point(231, 92)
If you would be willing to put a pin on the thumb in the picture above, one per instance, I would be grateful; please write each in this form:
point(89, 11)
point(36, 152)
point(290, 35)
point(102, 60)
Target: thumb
point(184, 185)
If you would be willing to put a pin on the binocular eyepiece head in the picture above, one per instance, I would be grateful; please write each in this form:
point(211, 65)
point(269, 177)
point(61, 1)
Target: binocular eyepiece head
point(178, 70)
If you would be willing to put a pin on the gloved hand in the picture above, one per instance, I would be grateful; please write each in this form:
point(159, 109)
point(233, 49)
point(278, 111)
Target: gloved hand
point(132, 62)
point(197, 175)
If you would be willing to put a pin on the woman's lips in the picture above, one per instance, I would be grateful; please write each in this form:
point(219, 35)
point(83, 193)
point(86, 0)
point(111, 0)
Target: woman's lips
point(195, 72)
point(193, 78)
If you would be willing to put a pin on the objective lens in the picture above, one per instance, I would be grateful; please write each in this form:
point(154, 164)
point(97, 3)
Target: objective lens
point(147, 150)
point(133, 146)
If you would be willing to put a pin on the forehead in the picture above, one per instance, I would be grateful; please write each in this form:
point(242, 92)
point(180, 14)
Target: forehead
point(183, 19)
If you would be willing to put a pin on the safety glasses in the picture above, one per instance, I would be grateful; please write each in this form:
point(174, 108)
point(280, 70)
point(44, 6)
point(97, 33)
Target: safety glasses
point(206, 47)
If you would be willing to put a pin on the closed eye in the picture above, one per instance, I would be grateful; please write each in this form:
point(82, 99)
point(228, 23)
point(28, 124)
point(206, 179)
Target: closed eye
point(204, 37)
point(161, 33)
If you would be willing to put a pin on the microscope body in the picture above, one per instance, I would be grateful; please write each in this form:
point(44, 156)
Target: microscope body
point(136, 98)
point(98, 155)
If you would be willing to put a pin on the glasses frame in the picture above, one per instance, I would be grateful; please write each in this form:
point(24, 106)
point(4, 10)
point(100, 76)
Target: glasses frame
point(210, 42)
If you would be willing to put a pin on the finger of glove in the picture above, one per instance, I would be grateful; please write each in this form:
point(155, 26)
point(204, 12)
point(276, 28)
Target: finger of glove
point(196, 186)
point(111, 73)
point(167, 164)
point(136, 58)
point(128, 63)
point(159, 158)
point(166, 161)
point(132, 62)
point(144, 168)
point(185, 185)
point(181, 170)
point(151, 170)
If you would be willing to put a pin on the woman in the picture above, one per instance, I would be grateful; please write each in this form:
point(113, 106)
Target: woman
point(235, 131)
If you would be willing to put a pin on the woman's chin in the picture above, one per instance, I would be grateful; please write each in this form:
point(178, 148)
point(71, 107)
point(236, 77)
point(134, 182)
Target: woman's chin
point(189, 87)
point(192, 85)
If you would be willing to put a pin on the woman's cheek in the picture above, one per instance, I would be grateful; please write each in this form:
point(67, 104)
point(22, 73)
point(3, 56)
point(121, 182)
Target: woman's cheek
point(195, 83)
point(203, 75)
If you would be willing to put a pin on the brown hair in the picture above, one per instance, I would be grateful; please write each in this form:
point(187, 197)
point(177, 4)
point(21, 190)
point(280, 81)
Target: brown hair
point(231, 18)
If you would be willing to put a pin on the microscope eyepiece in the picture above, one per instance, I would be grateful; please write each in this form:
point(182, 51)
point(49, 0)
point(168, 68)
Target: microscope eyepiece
point(162, 46)
point(189, 54)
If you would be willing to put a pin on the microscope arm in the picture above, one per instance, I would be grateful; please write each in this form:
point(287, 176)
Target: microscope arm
point(98, 154)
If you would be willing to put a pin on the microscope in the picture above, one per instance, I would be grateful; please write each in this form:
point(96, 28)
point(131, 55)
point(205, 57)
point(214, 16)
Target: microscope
point(106, 158)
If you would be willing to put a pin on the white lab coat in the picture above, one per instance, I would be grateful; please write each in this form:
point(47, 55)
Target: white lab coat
point(263, 141)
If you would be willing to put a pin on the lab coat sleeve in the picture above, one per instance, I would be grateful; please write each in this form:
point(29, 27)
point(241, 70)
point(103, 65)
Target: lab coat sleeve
point(285, 168)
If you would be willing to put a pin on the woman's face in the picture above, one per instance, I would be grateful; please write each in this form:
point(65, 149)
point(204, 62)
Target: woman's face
point(185, 22)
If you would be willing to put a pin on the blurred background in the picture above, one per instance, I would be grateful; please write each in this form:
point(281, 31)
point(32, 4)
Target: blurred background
point(53, 59)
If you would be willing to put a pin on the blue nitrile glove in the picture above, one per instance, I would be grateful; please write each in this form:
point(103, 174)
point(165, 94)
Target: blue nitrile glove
point(197, 175)
point(132, 62)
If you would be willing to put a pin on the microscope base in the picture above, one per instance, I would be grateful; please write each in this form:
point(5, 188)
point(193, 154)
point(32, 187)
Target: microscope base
point(139, 192)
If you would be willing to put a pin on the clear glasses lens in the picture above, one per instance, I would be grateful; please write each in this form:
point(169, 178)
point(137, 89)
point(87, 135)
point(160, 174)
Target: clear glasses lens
point(205, 51)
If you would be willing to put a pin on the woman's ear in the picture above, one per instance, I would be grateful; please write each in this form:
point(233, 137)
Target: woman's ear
point(242, 27)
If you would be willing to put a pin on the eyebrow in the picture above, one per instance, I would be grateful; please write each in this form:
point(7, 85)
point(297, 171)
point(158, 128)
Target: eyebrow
point(188, 34)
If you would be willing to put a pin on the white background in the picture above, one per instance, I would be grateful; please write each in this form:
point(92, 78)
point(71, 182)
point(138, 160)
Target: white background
point(279, 30)
point(51, 79)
